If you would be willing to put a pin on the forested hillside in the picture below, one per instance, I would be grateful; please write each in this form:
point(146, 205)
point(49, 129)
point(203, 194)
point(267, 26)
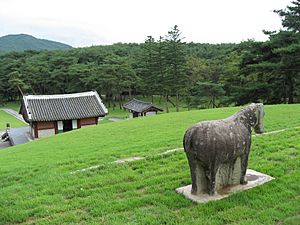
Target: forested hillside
point(22, 42)
point(201, 75)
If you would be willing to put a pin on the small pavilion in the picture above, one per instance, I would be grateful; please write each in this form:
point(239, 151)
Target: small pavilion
point(140, 108)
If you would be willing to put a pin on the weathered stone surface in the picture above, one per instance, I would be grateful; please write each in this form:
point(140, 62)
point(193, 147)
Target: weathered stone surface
point(4, 144)
point(218, 150)
point(254, 179)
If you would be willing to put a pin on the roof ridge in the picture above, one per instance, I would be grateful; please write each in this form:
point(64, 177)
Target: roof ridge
point(141, 101)
point(138, 105)
point(72, 95)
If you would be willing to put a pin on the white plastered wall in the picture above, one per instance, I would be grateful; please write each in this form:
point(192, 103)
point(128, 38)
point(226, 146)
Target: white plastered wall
point(150, 113)
point(60, 126)
point(74, 124)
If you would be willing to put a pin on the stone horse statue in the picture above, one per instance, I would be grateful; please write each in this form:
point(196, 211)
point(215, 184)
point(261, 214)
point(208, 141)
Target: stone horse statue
point(218, 150)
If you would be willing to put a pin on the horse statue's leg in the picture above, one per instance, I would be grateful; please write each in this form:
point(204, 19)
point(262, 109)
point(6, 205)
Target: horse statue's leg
point(244, 165)
point(193, 170)
point(199, 182)
point(210, 174)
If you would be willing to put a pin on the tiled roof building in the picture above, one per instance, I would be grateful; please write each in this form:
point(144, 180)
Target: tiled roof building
point(52, 114)
point(141, 108)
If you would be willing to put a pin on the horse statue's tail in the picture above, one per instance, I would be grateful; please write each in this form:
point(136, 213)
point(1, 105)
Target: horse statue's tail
point(187, 140)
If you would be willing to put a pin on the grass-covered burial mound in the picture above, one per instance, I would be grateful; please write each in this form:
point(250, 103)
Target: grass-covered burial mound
point(37, 186)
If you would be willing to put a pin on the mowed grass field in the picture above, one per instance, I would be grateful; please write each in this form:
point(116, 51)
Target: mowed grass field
point(11, 105)
point(37, 186)
point(7, 118)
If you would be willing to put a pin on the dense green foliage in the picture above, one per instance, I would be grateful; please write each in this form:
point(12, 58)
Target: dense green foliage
point(22, 42)
point(201, 75)
point(37, 187)
point(273, 66)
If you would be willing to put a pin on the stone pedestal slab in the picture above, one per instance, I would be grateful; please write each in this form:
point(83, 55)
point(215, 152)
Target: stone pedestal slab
point(254, 179)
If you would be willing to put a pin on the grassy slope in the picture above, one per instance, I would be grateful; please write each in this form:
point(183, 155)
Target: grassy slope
point(36, 186)
point(6, 118)
point(11, 105)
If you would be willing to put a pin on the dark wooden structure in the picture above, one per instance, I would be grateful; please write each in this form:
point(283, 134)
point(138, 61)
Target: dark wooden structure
point(140, 108)
point(52, 114)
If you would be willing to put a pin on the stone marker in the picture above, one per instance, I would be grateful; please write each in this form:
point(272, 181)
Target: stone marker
point(218, 150)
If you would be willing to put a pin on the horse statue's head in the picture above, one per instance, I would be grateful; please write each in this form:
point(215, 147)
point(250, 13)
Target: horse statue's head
point(258, 109)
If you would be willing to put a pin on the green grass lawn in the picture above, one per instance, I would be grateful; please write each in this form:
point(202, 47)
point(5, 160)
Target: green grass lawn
point(11, 105)
point(105, 121)
point(117, 113)
point(6, 118)
point(37, 187)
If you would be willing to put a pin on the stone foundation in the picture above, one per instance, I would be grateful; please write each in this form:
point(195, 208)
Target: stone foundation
point(46, 133)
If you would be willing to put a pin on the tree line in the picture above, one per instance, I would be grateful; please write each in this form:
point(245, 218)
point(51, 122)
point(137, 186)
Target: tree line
point(201, 75)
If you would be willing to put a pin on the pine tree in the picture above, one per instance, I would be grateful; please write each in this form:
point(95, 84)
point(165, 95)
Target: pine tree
point(291, 16)
point(175, 58)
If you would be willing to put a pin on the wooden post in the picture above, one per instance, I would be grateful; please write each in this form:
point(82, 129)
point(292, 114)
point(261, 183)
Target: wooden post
point(55, 127)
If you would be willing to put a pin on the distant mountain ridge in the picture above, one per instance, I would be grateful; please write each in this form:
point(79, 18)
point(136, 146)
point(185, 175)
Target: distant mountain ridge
point(22, 42)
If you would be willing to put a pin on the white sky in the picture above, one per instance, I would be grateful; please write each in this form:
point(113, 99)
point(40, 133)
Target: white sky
point(98, 22)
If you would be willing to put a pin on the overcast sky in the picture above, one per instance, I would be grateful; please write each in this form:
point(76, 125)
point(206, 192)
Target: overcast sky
point(98, 22)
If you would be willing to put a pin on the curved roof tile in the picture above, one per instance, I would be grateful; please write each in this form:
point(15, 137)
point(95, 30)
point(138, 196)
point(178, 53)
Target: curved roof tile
point(139, 106)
